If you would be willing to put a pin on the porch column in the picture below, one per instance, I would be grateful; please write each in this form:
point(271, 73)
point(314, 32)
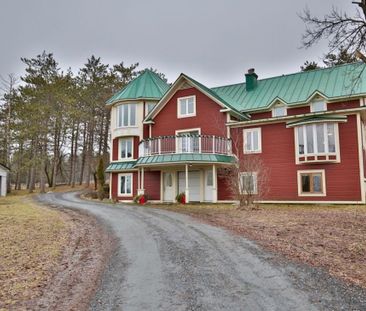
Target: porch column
point(187, 186)
point(142, 187)
point(214, 184)
point(138, 181)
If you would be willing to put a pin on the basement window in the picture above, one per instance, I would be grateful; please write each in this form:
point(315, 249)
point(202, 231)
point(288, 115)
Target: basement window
point(311, 183)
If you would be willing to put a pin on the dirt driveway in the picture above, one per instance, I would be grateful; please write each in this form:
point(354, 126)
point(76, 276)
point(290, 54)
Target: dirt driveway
point(169, 261)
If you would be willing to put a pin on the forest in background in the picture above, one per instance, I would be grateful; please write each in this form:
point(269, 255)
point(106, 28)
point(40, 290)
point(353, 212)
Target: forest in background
point(54, 124)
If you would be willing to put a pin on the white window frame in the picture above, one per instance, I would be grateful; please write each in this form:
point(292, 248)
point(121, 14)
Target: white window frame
point(299, 183)
point(279, 106)
point(315, 153)
point(251, 130)
point(313, 103)
point(187, 115)
point(178, 145)
point(255, 181)
point(119, 185)
point(119, 120)
point(120, 140)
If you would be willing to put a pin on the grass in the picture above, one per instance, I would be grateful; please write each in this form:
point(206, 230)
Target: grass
point(331, 237)
point(32, 239)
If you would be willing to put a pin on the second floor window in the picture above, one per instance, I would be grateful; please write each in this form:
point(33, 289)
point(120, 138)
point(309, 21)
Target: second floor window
point(126, 115)
point(252, 140)
point(186, 106)
point(318, 105)
point(279, 111)
point(319, 138)
point(126, 148)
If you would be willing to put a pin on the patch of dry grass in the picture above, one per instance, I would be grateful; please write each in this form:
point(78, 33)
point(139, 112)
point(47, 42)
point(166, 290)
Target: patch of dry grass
point(31, 239)
point(331, 237)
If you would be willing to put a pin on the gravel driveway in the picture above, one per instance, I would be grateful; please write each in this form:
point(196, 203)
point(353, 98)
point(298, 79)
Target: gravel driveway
point(168, 261)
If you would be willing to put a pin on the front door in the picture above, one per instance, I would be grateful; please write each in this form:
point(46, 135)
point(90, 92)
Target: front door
point(168, 190)
point(194, 188)
point(208, 185)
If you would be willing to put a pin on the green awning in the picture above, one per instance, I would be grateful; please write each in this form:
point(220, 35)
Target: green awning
point(120, 166)
point(185, 158)
point(317, 119)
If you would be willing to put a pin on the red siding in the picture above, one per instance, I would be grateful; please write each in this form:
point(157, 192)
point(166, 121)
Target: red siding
point(261, 115)
point(115, 149)
point(115, 186)
point(208, 116)
point(152, 185)
point(278, 154)
point(223, 189)
point(344, 105)
point(298, 110)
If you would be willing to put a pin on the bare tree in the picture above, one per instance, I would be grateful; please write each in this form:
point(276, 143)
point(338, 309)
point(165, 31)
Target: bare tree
point(341, 29)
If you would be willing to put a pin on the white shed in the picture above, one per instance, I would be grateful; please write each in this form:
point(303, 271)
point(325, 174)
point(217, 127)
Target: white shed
point(3, 179)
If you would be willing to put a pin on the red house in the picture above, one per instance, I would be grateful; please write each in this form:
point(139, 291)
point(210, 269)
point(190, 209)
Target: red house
point(308, 128)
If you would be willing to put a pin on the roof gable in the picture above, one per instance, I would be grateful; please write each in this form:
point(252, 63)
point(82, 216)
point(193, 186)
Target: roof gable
point(182, 81)
point(148, 85)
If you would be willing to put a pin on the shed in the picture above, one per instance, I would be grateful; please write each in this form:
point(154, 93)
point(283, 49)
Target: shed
point(4, 173)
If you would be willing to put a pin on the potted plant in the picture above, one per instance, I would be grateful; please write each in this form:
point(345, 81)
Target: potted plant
point(140, 199)
point(181, 198)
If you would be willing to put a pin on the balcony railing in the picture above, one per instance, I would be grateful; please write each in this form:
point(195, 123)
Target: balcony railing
point(185, 144)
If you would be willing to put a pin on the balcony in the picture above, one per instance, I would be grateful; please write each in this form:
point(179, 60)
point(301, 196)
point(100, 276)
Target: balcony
point(182, 144)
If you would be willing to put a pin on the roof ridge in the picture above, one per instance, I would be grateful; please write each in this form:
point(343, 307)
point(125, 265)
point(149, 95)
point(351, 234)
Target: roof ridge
point(294, 73)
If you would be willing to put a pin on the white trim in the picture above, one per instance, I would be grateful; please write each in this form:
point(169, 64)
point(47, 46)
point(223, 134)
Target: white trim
point(255, 129)
point(187, 115)
point(119, 185)
point(120, 159)
point(309, 202)
point(360, 157)
point(235, 124)
point(315, 171)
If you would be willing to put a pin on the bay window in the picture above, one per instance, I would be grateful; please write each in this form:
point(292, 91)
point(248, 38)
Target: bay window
point(126, 115)
point(318, 141)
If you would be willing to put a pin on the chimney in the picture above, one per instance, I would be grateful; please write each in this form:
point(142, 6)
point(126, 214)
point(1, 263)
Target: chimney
point(251, 80)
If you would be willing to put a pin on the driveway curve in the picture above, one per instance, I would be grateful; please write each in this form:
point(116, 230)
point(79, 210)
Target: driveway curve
point(169, 261)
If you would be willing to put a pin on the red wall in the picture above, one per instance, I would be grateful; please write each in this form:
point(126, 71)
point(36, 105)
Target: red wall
point(278, 154)
point(115, 146)
point(208, 116)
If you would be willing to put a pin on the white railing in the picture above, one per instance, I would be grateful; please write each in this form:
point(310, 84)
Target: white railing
point(185, 144)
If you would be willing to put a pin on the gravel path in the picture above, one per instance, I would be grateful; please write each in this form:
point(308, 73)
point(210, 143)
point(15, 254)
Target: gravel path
point(169, 261)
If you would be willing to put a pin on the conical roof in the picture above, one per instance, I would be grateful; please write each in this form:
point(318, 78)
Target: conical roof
point(148, 85)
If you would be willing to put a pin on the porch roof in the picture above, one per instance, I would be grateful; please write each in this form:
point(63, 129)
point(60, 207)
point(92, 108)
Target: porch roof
point(318, 119)
point(120, 166)
point(184, 158)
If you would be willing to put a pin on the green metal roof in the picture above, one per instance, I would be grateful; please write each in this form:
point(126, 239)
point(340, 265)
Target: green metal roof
point(316, 119)
point(185, 157)
point(120, 166)
point(336, 82)
point(147, 85)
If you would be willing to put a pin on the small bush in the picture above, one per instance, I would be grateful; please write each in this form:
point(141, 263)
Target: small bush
point(181, 198)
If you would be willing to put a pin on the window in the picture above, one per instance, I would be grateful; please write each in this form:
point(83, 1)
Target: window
point(248, 183)
point(318, 105)
point(188, 141)
point(126, 115)
point(125, 185)
point(252, 140)
point(148, 107)
point(126, 148)
point(186, 107)
point(279, 111)
point(319, 138)
point(311, 183)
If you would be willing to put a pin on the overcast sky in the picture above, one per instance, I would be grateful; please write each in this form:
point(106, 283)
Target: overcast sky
point(213, 41)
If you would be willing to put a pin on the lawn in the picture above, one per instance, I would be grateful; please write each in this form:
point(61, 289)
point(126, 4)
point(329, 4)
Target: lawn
point(331, 237)
point(31, 239)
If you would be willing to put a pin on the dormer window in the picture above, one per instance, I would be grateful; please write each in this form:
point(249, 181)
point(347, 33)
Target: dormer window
point(318, 105)
point(186, 107)
point(279, 111)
